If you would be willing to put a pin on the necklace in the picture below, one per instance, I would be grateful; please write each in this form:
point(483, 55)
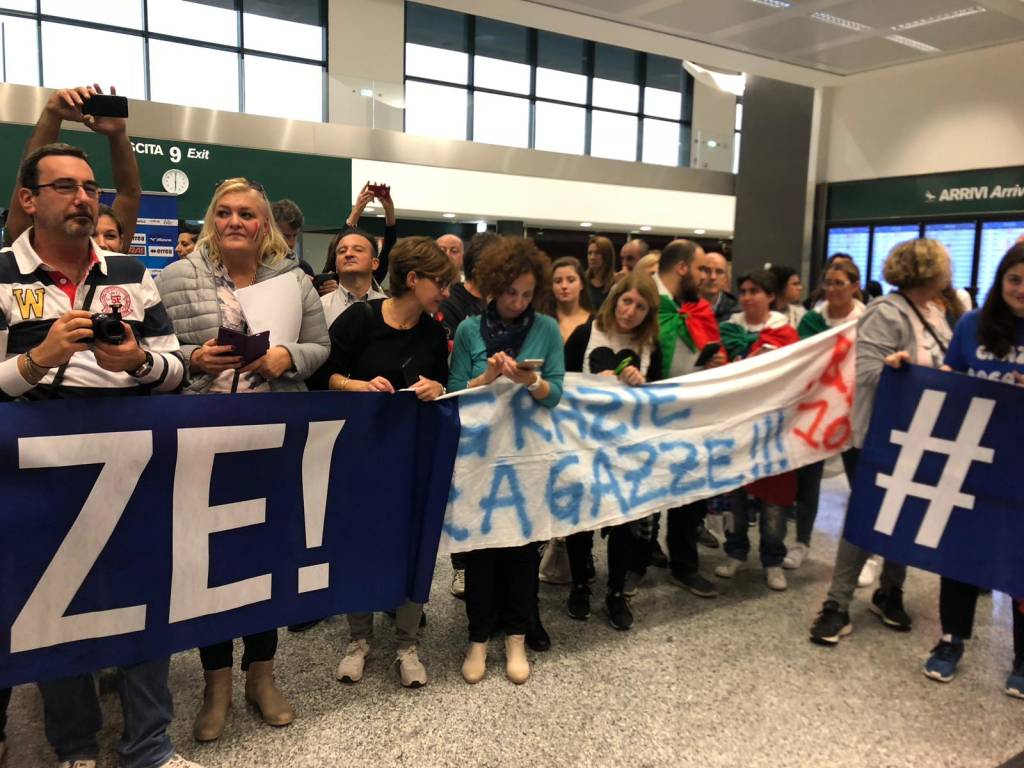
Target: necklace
point(394, 321)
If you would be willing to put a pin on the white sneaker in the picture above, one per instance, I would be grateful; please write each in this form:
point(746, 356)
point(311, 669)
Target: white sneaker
point(410, 668)
point(77, 764)
point(775, 579)
point(795, 556)
point(870, 572)
point(350, 669)
point(177, 761)
point(729, 568)
point(459, 583)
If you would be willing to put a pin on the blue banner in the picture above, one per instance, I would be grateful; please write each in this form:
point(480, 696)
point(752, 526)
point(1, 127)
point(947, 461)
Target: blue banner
point(937, 486)
point(156, 229)
point(136, 527)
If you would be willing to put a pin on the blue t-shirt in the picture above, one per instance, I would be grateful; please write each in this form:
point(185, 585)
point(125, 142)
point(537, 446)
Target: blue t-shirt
point(968, 355)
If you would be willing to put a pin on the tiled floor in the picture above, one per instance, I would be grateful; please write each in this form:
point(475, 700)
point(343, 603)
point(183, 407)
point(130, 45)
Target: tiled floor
point(727, 682)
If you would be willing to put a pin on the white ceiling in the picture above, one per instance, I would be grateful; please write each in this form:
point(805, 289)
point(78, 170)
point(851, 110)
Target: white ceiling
point(844, 37)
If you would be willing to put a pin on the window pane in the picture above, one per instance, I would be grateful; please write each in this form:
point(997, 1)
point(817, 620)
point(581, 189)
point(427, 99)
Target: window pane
point(564, 86)
point(566, 54)
point(662, 103)
point(664, 73)
point(661, 142)
point(501, 75)
point(277, 35)
point(20, 49)
point(213, 21)
point(193, 76)
point(616, 95)
point(283, 88)
point(435, 110)
point(685, 139)
point(119, 65)
point(436, 63)
point(435, 27)
point(739, 117)
point(499, 40)
point(501, 120)
point(614, 63)
point(117, 13)
point(736, 152)
point(561, 128)
point(613, 136)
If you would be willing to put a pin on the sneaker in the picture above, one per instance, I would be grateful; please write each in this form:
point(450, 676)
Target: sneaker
point(795, 556)
point(177, 761)
point(591, 569)
point(537, 638)
point(706, 538)
point(696, 583)
point(941, 665)
point(579, 602)
point(350, 669)
point(831, 624)
point(658, 557)
point(1015, 682)
point(303, 626)
point(459, 584)
point(888, 606)
point(619, 615)
point(410, 668)
point(729, 568)
point(870, 572)
point(631, 584)
point(775, 579)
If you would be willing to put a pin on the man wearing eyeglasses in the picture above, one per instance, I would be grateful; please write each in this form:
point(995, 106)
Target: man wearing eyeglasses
point(52, 280)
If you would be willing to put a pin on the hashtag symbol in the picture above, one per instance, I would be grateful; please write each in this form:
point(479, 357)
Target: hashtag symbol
point(960, 453)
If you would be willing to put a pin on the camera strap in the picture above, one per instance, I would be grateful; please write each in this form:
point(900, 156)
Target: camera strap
point(93, 281)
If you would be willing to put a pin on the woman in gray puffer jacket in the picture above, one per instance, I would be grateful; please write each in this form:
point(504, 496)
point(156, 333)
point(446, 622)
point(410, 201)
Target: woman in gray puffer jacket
point(239, 246)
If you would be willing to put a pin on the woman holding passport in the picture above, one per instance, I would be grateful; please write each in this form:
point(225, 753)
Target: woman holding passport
point(240, 246)
point(512, 340)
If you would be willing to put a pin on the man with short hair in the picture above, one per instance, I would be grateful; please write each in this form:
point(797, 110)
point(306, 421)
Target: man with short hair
point(453, 248)
point(355, 259)
point(631, 253)
point(52, 280)
point(713, 275)
point(289, 219)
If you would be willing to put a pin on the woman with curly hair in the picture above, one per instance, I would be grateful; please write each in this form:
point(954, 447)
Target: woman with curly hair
point(512, 274)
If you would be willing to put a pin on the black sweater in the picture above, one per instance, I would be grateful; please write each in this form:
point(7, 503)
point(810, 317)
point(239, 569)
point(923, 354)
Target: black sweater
point(602, 358)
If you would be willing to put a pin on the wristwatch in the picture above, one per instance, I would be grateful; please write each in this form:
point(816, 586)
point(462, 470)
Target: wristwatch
point(536, 384)
point(142, 370)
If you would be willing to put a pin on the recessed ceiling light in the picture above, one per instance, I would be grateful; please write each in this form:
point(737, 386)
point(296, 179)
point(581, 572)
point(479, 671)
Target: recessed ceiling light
point(367, 92)
point(836, 21)
point(481, 226)
point(699, 231)
point(645, 229)
point(380, 215)
point(912, 43)
point(772, 3)
point(939, 17)
point(448, 215)
point(586, 224)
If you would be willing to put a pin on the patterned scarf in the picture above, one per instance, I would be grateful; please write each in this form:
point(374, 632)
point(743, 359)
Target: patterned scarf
point(505, 335)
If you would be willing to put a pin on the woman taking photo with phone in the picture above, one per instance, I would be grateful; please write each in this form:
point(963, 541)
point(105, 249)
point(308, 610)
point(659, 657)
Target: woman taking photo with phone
point(240, 246)
point(512, 273)
point(621, 341)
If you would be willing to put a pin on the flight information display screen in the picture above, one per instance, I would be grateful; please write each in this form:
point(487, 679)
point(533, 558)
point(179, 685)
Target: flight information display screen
point(996, 239)
point(851, 240)
point(883, 241)
point(959, 241)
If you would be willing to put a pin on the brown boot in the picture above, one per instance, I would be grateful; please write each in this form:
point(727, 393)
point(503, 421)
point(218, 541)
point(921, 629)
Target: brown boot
point(517, 667)
point(261, 692)
point(213, 714)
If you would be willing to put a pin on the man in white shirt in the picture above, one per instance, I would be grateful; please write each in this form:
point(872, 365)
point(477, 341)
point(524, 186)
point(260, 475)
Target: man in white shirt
point(355, 259)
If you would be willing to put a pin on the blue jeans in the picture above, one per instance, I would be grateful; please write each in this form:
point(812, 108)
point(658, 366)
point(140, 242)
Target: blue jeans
point(772, 522)
point(72, 716)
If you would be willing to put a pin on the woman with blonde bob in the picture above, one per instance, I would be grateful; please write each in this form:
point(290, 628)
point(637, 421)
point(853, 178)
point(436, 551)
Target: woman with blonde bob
point(907, 326)
point(240, 245)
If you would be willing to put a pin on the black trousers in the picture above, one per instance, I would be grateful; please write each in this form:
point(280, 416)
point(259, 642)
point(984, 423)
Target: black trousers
point(459, 561)
point(682, 537)
point(624, 552)
point(957, 603)
point(259, 647)
point(5, 699)
point(501, 590)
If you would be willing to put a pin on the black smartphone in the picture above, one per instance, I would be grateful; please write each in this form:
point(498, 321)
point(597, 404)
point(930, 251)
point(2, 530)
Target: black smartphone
point(708, 352)
point(323, 278)
point(105, 106)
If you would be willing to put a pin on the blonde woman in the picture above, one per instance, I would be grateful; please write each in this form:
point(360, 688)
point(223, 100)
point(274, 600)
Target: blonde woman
point(240, 245)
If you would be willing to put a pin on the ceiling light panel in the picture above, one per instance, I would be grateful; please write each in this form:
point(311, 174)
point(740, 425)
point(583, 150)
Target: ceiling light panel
point(836, 21)
point(939, 18)
point(778, 3)
point(916, 45)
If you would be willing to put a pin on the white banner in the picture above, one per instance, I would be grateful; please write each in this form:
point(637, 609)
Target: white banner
point(610, 453)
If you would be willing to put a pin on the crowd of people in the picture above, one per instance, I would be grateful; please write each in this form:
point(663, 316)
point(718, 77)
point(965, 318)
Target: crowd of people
point(430, 317)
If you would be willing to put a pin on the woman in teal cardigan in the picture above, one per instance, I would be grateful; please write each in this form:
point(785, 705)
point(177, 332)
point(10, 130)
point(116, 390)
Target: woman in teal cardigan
point(500, 582)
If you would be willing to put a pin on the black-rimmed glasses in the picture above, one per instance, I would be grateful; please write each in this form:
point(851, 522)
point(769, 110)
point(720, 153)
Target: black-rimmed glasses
point(70, 187)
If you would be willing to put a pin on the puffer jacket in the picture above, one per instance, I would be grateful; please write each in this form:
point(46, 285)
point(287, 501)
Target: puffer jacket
point(188, 292)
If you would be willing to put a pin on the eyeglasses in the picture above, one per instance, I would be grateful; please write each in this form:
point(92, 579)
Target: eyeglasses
point(836, 283)
point(70, 187)
point(252, 185)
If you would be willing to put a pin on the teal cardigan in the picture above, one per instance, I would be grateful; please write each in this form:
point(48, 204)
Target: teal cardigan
point(544, 341)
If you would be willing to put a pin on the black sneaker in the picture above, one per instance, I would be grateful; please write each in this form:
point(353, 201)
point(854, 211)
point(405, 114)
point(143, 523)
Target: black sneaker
point(658, 558)
point(831, 624)
point(706, 538)
point(591, 569)
point(537, 637)
point(619, 615)
point(888, 606)
point(304, 626)
point(579, 602)
point(696, 583)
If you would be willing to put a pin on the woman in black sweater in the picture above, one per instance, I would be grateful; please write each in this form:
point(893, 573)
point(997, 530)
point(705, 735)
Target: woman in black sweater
point(620, 341)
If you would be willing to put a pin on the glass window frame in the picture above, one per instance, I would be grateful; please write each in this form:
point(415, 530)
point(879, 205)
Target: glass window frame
point(240, 50)
point(684, 122)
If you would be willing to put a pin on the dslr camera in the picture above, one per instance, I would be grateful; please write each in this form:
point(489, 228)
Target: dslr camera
point(106, 326)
